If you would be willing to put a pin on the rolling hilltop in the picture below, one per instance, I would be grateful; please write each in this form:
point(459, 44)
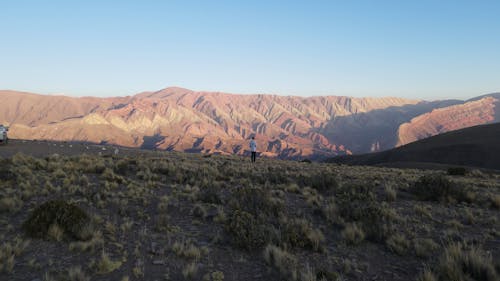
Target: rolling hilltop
point(212, 122)
point(476, 146)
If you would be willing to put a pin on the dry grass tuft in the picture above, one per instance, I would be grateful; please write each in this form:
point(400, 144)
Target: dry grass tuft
point(190, 270)
point(461, 263)
point(105, 265)
point(280, 259)
point(353, 234)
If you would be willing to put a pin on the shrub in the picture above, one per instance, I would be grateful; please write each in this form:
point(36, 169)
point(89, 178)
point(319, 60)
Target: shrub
point(353, 234)
point(300, 233)
point(459, 263)
point(69, 217)
point(8, 253)
point(326, 275)
point(285, 262)
point(273, 175)
point(247, 232)
point(209, 194)
point(356, 194)
point(190, 270)
point(457, 171)
point(106, 265)
point(10, 204)
point(214, 276)
point(357, 204)
point(256, 201)
point(495, 201)
point(97, 241)
point(121, 167)
point(439, 188)
point(330, 211)
point(323, 182)
point(398, 244)
point(55, 232)
point(425, 247)
point(199, 211)
point(186, 249)
point(76, 274)
point(374, 219)
point(432, 188)
point(110, 176)
point(427, 275)
point(390, 193)
point(5, 170)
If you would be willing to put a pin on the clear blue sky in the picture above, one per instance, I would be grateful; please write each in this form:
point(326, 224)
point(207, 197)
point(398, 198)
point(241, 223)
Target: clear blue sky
point(419, 49)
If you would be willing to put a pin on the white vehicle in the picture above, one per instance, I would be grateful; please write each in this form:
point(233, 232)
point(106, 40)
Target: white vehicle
point(3, 134)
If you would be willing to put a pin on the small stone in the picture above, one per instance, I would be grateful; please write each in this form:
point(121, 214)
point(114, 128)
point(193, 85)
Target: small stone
point(158, 262)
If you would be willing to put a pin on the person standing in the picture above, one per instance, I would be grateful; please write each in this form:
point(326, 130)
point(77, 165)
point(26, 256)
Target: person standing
point(253, 149)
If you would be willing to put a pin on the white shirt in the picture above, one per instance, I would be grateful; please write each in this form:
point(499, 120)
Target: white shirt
point(253, 146)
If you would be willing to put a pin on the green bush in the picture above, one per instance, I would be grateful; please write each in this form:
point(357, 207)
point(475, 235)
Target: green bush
point(461, 263)
point(121, 167)
point(256, 201)
point(357, 204)
point(209, 194)
point(440, 188)
point(282, 260)
point(71, 218)
point(301, 233)
point(247, 232)
point(354, 201)
point(323, 182)
point(353, 234)
point(5, 171)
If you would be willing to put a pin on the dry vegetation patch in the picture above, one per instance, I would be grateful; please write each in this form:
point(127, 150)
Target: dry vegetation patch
point(175, 216)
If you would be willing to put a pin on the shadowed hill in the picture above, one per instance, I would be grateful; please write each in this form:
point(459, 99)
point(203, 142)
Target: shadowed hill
point(477, 146)
point(477, 111)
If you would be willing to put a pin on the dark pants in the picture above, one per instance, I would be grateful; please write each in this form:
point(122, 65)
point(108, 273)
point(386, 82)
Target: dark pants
point(254, 155)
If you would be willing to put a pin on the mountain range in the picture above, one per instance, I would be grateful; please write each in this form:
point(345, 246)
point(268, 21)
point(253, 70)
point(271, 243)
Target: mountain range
point(213, 122)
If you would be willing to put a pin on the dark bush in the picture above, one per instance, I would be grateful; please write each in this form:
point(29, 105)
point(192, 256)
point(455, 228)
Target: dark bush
point(300, 233)
point(5, 172)
point(440, 188)
point(457, 171)
point(274, 176)
point(462, 263)
point(327, 275)
point(121, 167)
point(248, 232)
point(256, 201)
point(432, 188)
point(71, 218)
point(305, 161)
point(323, 182)
point(358, 203)
point(163, 168)
point(209, 194)
point(377, 223)
point(353, 200)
